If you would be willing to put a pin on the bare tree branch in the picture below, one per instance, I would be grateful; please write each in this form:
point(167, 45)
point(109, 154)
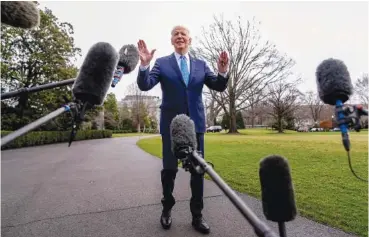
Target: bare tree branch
point(283, 98)
point(361, 88)
point(312, 100)
point(253, 64)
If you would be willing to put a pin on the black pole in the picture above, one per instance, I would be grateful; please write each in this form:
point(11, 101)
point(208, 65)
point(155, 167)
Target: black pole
point(260, 228)
point(282, 229)
point(10, 137)
point(37, 88)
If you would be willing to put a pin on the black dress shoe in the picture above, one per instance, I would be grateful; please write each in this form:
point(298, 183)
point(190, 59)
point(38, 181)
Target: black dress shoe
point(200, 225)
point(166, 219)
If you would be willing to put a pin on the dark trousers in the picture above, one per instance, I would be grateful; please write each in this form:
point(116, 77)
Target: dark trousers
point(168, 175)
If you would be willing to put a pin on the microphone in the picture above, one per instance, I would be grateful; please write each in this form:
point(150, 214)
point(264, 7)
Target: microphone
point(128, 60)
point(95, 75)
point(184, 145)
point(89, 89)
point(93, 80)
point(182, 130)
point(20, 14)
point(277, 191)
point(335, 88)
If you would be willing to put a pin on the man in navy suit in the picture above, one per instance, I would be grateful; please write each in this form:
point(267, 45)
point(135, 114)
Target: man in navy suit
point(182, 78)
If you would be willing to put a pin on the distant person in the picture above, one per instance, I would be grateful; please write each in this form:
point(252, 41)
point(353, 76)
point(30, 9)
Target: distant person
point(182, 78)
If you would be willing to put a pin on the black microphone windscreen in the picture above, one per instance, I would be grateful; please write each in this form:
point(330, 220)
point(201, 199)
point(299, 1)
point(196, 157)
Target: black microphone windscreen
point(96, 74)
point(277, 189)
point(334, 82)
point(182, 132)
point(128, 58)
point(20, 14)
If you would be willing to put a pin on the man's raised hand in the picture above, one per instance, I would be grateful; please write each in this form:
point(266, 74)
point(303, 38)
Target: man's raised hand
point(145, 55)
point(223, 62)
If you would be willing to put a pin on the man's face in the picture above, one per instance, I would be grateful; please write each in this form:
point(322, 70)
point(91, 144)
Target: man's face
point(180, 39)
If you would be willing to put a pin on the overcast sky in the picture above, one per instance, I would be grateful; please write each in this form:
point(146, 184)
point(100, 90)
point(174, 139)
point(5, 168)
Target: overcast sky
point(308, 32)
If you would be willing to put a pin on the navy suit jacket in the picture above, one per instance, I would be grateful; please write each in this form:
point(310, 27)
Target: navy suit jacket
point(177, 98)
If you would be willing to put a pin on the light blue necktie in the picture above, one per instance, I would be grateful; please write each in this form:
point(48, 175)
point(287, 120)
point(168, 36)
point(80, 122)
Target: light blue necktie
point(184, 70)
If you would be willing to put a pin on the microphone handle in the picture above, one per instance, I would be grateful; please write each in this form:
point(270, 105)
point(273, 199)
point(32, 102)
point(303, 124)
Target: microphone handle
point(343, 127)
point(10, 137)
point(117, 75)
point(282, 229)
point(260, 228)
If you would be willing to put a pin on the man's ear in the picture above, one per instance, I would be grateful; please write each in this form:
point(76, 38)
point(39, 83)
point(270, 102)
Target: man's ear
point(190, 40)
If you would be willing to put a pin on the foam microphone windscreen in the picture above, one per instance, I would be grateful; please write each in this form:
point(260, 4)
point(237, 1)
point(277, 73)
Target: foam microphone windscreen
point(182, 132)
point(96, 74)
point(128, 58)
point(334, 82)
point(20, 14)
point(277, 189)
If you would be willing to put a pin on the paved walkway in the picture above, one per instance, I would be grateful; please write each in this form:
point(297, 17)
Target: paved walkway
point(110, 187)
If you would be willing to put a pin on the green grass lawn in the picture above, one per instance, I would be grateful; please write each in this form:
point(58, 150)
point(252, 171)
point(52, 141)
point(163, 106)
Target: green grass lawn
point(325, 188)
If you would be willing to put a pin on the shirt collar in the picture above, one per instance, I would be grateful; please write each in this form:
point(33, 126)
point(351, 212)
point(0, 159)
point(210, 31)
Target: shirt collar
point(178, 56)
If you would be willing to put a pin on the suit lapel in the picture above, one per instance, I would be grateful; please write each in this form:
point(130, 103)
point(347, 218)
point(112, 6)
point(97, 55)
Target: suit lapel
point(174, 64)
point(192, 69)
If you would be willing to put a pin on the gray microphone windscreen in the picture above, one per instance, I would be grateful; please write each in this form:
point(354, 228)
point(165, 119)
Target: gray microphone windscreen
point(333, 81)
point(128, 58)
point(182, 132)
point(277, 192)
point(20, 14)
point(96, 74)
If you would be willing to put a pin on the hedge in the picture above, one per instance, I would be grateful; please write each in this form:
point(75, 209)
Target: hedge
point(50, 137)
point(134, 131)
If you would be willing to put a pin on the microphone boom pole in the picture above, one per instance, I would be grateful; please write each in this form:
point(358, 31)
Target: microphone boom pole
point(10, 137)
point(37, 88)
point(260, 228)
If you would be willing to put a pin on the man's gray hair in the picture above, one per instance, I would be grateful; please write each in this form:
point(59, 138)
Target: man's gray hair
point(180, 26)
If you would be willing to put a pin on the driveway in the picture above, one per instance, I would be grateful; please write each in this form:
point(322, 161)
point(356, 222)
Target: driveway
point(110, 187)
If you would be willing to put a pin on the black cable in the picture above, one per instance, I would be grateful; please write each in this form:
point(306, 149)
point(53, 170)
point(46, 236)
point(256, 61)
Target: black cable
point(349, 160)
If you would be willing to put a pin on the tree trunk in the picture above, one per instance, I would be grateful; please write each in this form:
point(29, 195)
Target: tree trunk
point(252, 116)
point(138, 123)
point(252, 120)
point(280, 126)
point(232, 115)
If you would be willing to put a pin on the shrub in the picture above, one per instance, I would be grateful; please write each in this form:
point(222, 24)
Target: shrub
point(134, 131)
point(50, 137)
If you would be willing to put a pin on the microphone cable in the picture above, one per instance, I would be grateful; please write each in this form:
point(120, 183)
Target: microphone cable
point(352, 170)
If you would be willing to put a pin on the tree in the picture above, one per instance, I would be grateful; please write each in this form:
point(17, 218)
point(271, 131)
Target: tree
point(111, 115)
point(225, 121)
point(256, 105)
point(127, 124)
point(32, 57)
point(213, 109)
point(253, 64)
point(315, 104)
point(138, 105)
point(361, 88)
point(290, 120)
point(239, 120)
point(283, 98)
point(124, 112)
point(111, 105)
point(109, 121)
